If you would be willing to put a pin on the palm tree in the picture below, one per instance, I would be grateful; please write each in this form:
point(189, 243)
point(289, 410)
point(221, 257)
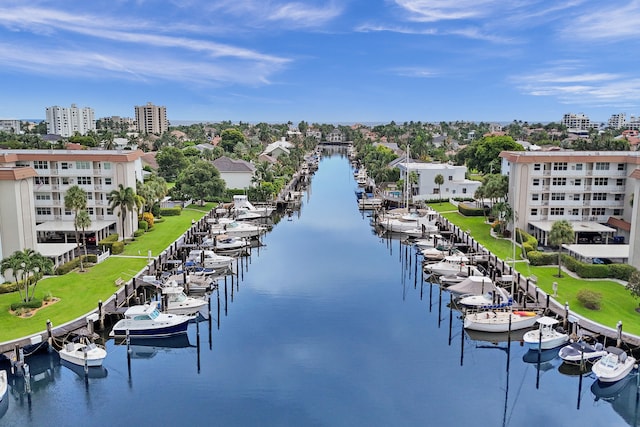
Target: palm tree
point(439, 180)
point(124, 200)
point(75, 199)
point(561, 232)
point(82, 221)
point(25, 266)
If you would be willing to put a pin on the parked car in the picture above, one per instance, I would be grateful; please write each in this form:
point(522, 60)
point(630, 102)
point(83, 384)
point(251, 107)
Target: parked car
point(91, 240)
point(602, 261)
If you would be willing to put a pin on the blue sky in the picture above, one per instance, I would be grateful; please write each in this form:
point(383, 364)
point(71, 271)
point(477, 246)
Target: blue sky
point(323, 60)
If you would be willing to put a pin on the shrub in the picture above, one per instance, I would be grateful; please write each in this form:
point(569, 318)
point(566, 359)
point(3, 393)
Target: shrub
point(117, 247)
point(7, 288)
point(34, 303)
point(139, 232)
point(467, 210)
point(108, 241)
point(75, 263)
point(175, 211)
point(143, 225)
point(542, 258)
point(589, 299)
point(147, 217)
point(157, 221)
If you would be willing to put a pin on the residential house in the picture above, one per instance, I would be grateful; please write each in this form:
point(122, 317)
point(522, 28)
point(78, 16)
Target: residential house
point(235, 173)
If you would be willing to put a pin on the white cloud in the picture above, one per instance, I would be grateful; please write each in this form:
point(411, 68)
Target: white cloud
point(606, 23)
point(440, 10)
point(414, 72)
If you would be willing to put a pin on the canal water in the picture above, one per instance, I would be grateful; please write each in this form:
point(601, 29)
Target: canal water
point(328, 325)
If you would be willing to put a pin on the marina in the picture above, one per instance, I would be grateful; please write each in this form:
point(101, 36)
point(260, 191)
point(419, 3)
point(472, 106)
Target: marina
point(326, 323)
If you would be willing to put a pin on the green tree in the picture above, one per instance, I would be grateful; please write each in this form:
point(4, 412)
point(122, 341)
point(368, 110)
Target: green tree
point(484, 154)
point(171, 161)
point(27, 267)
point(124, 200)
point(561, 233)
point(229, 138)
point(83, 221)
point(201, 181)
point(75, 199)
point(439, 180)
point(634, 285)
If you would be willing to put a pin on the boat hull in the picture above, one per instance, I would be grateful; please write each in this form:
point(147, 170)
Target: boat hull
point(489, 321)
point(120, 329)
point(612, 375)
point(532, 340)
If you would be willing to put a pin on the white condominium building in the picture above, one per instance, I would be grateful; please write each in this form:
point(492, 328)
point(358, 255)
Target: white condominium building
point(592, 190)
point(66, 122)
point(455, 184)
point(53, 172)
point(578, 122)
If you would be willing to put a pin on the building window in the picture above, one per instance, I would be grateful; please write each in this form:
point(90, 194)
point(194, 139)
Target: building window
point(65, 165)
point(535, 196)
point(109, 211)
point(620, 182)
point(536, 167)
point(578, 166)
point(106, 165)
point(41, 164)
point(67, 181)
point(597, 211)
point(89, 196)
point(560, 166)
point(599, 196)
point(621, 166)
point(618, 197)
point(557, 196)
point(43, 211)
point(41, 180)
point(618, 212)
point(559, 181)
point(90, 211)
point(600, 181)
point(450, 178)
point(83, 165)
point(578, 182)
point(602, 166)
point(536, 181)
point(464, 190)
point(107, 181)
point(68, 212)
point(534, 212)
point(576, 197)
point(556, 211)
point(575, 212)
point(84, 180)
point(43, 196)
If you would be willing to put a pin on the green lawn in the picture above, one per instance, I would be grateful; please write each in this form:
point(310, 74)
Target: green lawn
point(617, 303)
point(79, 293)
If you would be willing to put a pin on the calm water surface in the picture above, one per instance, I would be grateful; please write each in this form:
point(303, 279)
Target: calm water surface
point(329, 326)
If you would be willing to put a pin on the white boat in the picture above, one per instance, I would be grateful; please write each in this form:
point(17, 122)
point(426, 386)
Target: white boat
point(547, 336)
point(244, 209)
point(224, 243)
point(496, 298)
point(208, 259)
point(237, 228)
point(499, 320)
point(4, 385)
point(398, 223)
point(450, 264)
point(77, 352)
point(147, 321)
point(613, 366)
point(438, 253)
point(179, 303)
point(366, 202)
point(578, 351)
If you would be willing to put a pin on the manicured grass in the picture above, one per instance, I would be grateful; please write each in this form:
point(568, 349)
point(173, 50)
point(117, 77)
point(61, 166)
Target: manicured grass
point(617, 303)
point(79, 293)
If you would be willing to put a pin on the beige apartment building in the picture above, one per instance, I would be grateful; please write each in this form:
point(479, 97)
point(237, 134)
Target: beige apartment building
point(34, 183)
point(592, 190)
point(151, 119)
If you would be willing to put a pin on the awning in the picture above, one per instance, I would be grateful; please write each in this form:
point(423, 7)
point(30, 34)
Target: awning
point(618, 223)
point(67, 226)
point(578, 226)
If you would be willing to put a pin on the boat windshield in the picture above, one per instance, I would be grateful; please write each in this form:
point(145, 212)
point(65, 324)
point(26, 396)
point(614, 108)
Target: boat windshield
point(154, 314)
point(610, 361)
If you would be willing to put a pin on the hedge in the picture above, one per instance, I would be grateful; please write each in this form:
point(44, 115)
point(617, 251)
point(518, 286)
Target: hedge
point(7, 288)
point(175, 211)
point(583, 269)
point(143, 225)
point(117, 248)
point(108, 241)
point(75, 263)
point(34, 303)
point(470, 211)
point(139, 232)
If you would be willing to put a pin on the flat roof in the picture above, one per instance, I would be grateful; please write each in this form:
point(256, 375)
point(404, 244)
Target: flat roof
point(578, 226)
point(600, 251)
point(50, 250)
point(67, 226)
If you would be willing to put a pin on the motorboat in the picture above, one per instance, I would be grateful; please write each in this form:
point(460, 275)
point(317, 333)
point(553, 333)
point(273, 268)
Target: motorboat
point(398, 223)
point(473, 285)
point(613, 366)
point(437, 253)
point(237, 228)
point(4, 385)
point(496, 298)
point(178, 302)
point(450, 264)
point(369, 202)
point(243, 209)
point(83, 351)
point(208, 259)
point(225, 244)
point(547, 336)
point(488, 320)
point(579, 351)
point(147, 321)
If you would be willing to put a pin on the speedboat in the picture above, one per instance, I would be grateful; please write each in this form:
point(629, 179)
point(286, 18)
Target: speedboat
point(4, 385)
point(224, 243)
point(243, 209)
point(450, 264)
point(179, 303)
point(578, 351)
point(613, 366)
point(403, 221)
point(83, 351)
point(496, 298)
point(147, 321)
point(488, 320)
point(547, 335)
point(208, 259)
point(237, 228)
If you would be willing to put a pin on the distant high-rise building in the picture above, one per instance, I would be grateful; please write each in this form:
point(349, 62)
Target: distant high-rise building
point(10, 125)
point(617, 121)
point(578, 122)
point(151, 119)
point(66, 122)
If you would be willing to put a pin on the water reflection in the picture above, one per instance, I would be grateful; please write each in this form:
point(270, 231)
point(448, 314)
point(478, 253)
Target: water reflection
point(623, 395)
